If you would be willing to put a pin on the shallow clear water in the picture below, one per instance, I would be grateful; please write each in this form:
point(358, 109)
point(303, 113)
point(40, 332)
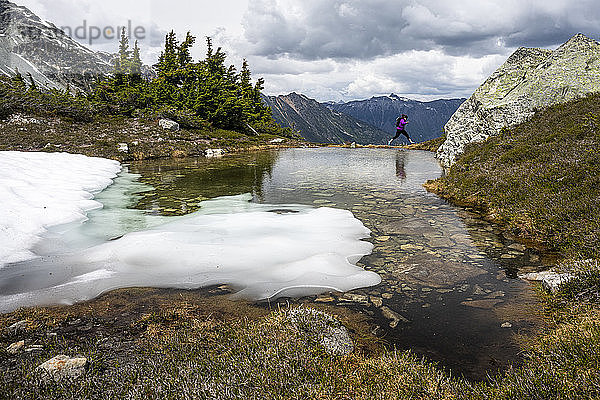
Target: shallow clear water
point(449, 278)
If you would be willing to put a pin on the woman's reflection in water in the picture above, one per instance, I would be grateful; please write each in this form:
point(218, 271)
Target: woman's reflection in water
point(400, 172)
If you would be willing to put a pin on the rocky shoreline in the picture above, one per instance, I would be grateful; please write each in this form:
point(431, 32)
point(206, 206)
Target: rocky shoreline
point(127, 139)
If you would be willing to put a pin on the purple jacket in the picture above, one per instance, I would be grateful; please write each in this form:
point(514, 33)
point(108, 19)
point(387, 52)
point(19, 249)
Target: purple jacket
point(401, 124)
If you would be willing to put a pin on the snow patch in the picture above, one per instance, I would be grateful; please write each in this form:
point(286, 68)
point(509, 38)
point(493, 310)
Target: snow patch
point(262, 251)
point(44, 189)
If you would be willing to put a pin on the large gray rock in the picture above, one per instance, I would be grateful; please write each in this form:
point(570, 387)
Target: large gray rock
point(529, 79)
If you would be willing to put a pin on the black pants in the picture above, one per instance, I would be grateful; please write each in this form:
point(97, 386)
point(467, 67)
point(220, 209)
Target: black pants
point(399, 132)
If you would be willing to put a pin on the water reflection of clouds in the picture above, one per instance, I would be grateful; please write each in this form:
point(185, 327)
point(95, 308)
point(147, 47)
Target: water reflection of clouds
point(350, 169)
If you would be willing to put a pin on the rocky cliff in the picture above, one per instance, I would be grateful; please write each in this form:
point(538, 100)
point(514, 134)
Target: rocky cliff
point(427, 119)
point(529, 79)
point(317, 123)
point(39, 48)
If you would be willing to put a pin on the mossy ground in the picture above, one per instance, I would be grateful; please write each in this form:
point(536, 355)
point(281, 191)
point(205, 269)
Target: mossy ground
point(429, 145)
point(161, 344)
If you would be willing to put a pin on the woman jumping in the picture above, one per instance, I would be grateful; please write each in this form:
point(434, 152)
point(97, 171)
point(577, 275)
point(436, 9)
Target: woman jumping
point(400, 124)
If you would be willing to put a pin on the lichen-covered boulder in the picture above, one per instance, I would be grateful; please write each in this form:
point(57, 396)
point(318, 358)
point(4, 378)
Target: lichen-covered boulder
point(529, 79)
point(62, 366)
point(322, 328)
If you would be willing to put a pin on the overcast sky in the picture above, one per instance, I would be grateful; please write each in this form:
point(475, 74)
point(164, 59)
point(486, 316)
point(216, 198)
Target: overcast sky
point(345, 49)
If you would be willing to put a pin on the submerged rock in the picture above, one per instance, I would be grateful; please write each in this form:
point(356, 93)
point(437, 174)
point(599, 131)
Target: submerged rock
point(393, 316)
point(529, 79)
point(486, 304)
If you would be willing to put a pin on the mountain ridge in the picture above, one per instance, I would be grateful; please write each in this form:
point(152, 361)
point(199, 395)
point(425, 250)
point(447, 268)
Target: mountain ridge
point(427, 119)
point(39, 48)
point(315, 122)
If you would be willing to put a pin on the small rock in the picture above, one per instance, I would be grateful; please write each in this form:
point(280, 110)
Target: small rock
point(377, 301)
point(478, 291)
point(15, 347)
point(517, 246)
point(393, 316)
point(324, 299)
point(551, 280)
point(17, 327)
point(123, 147)
point(34, 347)
point(355, 298)
point(506, 325)
point(410, 246)
point(214, 152)
point(486, 304)
point(62, 366)
point(387, 295)
point(169, 125)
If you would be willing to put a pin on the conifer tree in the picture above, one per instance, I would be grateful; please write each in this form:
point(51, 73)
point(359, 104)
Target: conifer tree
point(122, 63)
point(135, 65)
point(168, 60)
point(183, 52)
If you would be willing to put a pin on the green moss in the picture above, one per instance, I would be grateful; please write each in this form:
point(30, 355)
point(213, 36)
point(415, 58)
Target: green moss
point(429, 145)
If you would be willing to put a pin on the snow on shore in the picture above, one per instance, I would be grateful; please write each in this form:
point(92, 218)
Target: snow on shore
point(38, 190)
point(261, 250)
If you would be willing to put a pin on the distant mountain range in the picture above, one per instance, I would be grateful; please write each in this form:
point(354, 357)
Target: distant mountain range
point(39, 48)
point(317, 123)
point(426, 119)
point(369, 121)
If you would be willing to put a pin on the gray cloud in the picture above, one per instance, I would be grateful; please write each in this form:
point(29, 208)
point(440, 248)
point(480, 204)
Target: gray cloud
point(364, 29)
